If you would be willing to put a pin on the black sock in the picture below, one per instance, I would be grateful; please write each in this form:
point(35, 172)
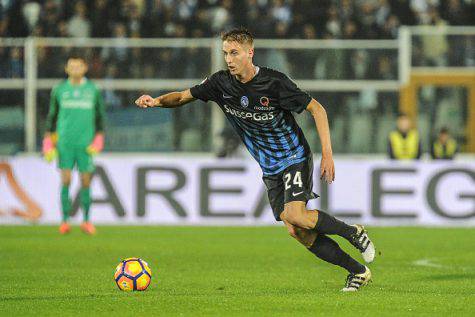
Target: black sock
point(330, 225)
point(328, 250)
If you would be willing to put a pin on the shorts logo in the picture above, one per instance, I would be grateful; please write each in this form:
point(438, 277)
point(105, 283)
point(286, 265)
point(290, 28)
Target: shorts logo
point(244, 101)
point(264, 101)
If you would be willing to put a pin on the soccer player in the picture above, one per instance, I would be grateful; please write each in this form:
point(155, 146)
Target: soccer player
point(258, 102)
point(74, 131)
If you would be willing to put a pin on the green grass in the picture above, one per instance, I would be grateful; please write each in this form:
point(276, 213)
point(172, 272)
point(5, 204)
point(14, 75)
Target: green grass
point(231, 271)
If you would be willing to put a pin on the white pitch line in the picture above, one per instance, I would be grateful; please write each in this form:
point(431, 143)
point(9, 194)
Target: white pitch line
point(427, 263)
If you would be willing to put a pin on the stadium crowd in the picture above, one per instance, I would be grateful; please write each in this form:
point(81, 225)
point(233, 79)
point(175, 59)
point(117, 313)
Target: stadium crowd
point(278, 19)
point(342, 19)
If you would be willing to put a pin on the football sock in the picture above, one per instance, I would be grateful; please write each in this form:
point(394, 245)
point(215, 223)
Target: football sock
point(328, 250)
point(330, 225)
point(65, 202)
point(85, 201)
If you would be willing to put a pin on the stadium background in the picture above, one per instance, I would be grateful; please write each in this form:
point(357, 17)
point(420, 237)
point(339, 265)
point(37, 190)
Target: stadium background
point(365, 61)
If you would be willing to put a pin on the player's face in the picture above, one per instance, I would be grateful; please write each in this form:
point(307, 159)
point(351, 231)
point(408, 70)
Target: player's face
point(238, 56)
point(76, 68)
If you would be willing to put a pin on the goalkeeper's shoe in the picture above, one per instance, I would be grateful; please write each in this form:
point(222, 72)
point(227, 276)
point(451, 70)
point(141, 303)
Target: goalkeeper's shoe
point(355, 281)
point(64, 228)
point(361, 241)
point(88, 228)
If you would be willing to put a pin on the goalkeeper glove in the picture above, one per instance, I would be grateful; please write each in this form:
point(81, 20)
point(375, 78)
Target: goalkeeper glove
point(49, 150)
point(97, 144)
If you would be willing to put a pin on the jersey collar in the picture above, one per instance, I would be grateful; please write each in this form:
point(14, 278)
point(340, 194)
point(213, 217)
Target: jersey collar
point(82, 82)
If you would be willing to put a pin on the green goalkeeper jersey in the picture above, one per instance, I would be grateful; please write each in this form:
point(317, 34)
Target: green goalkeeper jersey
point(76, 113)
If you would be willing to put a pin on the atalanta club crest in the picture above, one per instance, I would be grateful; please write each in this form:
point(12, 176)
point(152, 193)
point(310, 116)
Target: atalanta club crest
point(244, 101)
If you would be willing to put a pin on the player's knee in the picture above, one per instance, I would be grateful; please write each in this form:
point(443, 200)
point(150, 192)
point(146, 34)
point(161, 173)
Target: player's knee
point(85, 180)
point(292, 232)
point(291, 215)
point(66, 179)
point(295, 213)
point(86, 183)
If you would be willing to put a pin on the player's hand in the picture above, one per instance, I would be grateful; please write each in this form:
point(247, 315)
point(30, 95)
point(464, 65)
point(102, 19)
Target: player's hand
point(145, 101)
point(327, 169)
point(97, 144)
point(50, 155)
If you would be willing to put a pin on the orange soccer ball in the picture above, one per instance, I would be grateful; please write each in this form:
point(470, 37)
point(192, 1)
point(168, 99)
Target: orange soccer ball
point(133, 274)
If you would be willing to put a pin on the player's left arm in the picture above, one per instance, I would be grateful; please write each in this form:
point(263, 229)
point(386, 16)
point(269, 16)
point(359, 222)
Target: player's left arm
point(97, 144)
point(327, 166)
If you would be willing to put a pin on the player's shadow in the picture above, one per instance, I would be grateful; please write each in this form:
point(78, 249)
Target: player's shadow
point(450, 277)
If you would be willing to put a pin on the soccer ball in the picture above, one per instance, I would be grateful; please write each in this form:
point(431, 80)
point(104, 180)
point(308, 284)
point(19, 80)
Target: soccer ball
point(132, 274)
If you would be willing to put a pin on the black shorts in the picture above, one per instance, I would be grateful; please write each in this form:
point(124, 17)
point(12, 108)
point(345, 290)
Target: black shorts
point(295, 183)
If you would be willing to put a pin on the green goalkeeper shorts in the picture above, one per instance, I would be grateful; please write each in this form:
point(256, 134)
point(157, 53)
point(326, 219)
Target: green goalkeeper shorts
point(70, 156)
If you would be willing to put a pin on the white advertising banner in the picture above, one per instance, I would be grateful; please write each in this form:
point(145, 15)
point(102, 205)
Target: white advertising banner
point(154, 189)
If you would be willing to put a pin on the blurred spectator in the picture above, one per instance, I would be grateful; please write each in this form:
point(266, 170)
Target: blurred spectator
point(404, 12)
point(435, 47)
point(221, 16)
point(280, 11)
point(15, 64)
point(330, 19)
point(157, 18)
point(444, 147)
point(100, 19)
point(79, 25)
point(455, 12)
point(385, 69)
point(359, 65)
point(333, 25)
point(404, 142)
point(390, 28)
point(119, 53)
point(421, 9)
point(31, 14)
point(111, 97)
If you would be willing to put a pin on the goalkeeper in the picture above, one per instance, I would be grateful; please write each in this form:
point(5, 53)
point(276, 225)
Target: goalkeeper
point(74, 133)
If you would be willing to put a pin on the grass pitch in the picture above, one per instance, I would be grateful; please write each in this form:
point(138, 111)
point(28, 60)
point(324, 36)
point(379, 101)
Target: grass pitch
point(231, 271)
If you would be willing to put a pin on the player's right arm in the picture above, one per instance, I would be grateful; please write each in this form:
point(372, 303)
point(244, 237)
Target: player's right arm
point(206, 90)
point(170, 100)
point(52, 113)
point(49, 146)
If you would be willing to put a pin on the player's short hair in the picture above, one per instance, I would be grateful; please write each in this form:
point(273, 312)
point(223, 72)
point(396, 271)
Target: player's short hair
point(240, 35)
point(76, 54)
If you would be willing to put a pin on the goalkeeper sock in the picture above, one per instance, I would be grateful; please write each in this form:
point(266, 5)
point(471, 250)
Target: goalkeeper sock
point(328, 224)
point(65, 202)
point(328, 250)
point(85, 201)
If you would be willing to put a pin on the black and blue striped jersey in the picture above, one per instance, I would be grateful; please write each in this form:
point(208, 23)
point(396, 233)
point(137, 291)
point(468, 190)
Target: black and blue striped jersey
point(260, 112)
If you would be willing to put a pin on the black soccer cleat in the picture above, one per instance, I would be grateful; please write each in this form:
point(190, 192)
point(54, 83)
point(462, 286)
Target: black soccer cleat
point(361, 241)
point(355, 281)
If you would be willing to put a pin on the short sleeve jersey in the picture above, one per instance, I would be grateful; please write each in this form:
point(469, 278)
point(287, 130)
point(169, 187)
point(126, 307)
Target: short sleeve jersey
point(260, 111)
